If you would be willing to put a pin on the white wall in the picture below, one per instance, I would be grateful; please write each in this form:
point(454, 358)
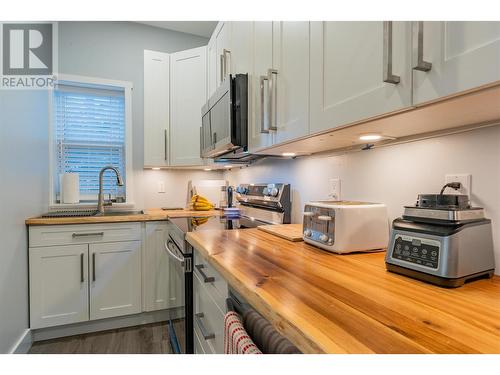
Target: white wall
point(24, 183)
point(393, 175)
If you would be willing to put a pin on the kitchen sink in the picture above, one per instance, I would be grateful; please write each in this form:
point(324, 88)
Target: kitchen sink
point(121, 212)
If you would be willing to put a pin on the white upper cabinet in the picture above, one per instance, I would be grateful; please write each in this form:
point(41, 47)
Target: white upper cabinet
point(188, 93)
point(115, 279)
point(223, 59)
point(58, 285)
point(259, 135)
point(212, 65)
point(464, 55)
point(289, 81)
point(219, 56)
point(156, 108)
point(351, 67)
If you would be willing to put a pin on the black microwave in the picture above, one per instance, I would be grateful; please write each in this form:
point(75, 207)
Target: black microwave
point(224, 128)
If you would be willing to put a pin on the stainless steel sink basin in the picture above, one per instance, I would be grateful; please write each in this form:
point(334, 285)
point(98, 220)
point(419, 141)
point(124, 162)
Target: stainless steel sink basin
point(121, 213)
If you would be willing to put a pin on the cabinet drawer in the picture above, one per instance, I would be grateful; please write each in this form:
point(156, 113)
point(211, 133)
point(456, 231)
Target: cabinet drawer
point(50, 235)
point(209, 319)
point(200, 345)
point(218, 288)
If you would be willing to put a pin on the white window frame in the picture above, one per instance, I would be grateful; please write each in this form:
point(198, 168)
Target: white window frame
point(129, 185)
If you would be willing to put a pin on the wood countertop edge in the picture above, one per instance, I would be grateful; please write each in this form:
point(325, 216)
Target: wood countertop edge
point(305, 343)
point(150, 215)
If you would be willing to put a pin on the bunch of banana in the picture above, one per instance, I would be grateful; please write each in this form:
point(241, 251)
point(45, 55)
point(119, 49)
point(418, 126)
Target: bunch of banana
point(199, 203)
point(197, 221)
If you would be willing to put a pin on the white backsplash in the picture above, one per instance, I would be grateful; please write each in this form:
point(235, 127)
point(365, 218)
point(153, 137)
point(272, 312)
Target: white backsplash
point(393, 175)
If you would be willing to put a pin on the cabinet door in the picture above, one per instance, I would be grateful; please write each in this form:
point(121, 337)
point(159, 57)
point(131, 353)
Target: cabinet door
point(115, 284)
point(347, 72)
point(58, 285)
point(262, 52)
point(290, 108)
point(222, 37)
point(162, 283)
point(212, 65)
point(156, 108)
point(464, 55)
point(188, 94)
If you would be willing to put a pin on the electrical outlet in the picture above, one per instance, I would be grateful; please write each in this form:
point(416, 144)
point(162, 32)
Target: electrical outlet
point(161, 186)
point(334, 192)
point(464, 179)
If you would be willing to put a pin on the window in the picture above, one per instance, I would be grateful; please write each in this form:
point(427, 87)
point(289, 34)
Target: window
point(90, 131)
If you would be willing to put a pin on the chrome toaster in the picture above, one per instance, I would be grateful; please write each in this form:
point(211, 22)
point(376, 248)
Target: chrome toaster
point(346, 226)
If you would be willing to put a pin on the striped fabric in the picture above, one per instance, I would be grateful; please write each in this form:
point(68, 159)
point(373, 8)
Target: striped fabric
point(236, 339)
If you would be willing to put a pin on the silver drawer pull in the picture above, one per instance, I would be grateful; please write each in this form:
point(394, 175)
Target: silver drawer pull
point(76, 235)
point(206, 279)
point(82, 277)
point(204, 332)
point(262, 116)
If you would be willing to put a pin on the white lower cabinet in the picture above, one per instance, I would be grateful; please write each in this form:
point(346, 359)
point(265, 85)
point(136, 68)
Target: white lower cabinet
point(163, 282)
point(210, 291)
point(58, 285)
point(95, 271)
point(115, 286)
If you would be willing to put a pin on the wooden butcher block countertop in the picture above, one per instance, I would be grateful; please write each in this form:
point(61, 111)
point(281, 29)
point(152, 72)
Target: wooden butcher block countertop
point(332, 303)
point(154, 214)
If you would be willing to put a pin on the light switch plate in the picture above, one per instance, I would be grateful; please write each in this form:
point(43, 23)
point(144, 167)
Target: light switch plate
point(334, 191)
point(161, 186)
point(464, 179)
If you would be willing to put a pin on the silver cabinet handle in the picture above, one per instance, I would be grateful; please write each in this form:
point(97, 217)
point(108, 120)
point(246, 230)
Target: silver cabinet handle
point(387, 55)
point(418, 47)
point(206, 279)
point(166, 144)
point(201, 326)
point(273, 99)
point(201, 142)
point(214, 138)
point(221, 68)
point(76, 235)
point(227, 66)
point(262, 116)
point(82, 277)
point(93, 266)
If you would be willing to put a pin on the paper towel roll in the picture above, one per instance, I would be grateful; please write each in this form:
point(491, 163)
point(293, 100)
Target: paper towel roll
point(70, 188)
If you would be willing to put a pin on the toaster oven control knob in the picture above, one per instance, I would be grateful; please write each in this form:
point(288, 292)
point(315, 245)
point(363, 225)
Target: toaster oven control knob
point(324, 238)
point(308, 233)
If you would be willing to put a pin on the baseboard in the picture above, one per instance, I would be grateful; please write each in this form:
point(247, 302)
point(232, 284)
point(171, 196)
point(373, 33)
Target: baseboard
point(106, 324)
point(23, 344)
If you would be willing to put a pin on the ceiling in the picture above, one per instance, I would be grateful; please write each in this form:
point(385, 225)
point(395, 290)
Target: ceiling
point(200, 28)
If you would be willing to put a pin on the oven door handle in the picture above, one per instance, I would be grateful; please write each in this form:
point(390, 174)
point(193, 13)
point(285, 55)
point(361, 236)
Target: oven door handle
point(171, 253)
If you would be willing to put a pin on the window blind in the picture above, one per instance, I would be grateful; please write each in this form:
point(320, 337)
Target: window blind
point(90, 134)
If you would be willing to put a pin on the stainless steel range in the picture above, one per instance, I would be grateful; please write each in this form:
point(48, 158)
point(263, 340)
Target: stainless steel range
point(259, 204)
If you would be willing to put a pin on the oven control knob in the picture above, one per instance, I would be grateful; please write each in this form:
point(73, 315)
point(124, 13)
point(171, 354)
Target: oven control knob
point(324, 238)
point(308, 233)
point(273, 192)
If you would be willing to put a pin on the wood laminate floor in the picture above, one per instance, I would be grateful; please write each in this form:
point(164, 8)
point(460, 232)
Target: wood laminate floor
point(145, 339)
